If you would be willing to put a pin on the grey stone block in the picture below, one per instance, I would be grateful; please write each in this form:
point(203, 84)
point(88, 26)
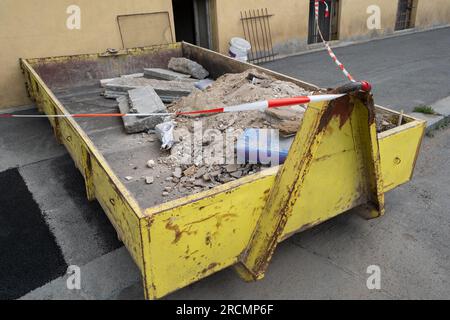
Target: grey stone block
point(187, 66)
point(174, 89)
point(141, 100)
point(163, 74)
point(145, 100)
point(104, 82)
point(133, 75)
point(110, 94)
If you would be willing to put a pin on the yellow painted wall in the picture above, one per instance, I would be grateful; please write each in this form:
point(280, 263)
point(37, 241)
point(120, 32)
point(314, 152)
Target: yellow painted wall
point(290, 21)
point(432, 13)
point(354, 17)
point(32, 28)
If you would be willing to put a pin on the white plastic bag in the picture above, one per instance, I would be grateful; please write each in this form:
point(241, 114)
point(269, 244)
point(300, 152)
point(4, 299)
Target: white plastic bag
point(164, 131)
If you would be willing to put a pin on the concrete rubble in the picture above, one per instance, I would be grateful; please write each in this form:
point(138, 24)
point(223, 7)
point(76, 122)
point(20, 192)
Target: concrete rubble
point(141, 101)
point(229, 89)
point(167, 90)
point(187, 66)
point(164, 74)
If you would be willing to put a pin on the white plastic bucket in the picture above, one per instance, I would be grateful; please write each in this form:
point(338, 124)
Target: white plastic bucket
point(239, 49)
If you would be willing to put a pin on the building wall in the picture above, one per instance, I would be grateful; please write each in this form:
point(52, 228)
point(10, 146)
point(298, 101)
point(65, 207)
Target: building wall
point(353, 24)
point(289, 25)
point(291, 18)
point(31, 29)
point(432, 13)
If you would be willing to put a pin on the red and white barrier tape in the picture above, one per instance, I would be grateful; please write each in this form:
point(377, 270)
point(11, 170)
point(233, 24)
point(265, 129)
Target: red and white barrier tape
point(267, 104)
point(260, 105)
point(330, 51)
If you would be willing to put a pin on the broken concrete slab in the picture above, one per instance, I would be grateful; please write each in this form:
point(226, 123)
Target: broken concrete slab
point(104, 82)
point(145, 100)
point(187, 66)
point(111, 94)
point(133, 75)
point(164, 74)
point(141, 100)
point(166, 89)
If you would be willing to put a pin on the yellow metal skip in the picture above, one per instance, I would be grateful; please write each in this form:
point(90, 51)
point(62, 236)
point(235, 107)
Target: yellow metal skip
point(337, 162)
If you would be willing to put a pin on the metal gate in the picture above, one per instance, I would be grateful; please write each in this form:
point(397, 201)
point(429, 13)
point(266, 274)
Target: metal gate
point(405, 14)
point(328, 25)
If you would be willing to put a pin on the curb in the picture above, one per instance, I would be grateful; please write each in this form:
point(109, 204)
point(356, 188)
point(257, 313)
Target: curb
point(438, 120)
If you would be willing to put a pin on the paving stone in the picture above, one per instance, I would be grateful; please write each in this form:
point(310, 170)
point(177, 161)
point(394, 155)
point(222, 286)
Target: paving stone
point(163, 74)
point(111, 94)
point(144, 101)
point(167, 90)
point(133, 75)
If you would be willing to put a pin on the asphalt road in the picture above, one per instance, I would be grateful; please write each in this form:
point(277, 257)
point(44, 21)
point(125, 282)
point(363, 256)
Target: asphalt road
point(405, 71)
point(410, 243)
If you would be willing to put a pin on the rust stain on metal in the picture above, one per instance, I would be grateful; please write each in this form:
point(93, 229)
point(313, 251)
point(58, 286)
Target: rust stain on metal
point(178, 233)
point(189, 255)
point(211, 266)
point(342, 108)
point(368, 102)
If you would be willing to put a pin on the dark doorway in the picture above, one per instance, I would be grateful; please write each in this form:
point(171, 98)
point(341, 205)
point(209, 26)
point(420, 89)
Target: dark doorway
point(405, 14)
point(192, 21)
point(328, 25)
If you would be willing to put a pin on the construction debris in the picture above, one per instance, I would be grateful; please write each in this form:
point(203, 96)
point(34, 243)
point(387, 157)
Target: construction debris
point(141, 101)
point(204, 84)
point(151, 164)
point(163, 74)
point(164, 131)
point(173, 89)
point(385, 122)
point(133, 75)
point(246, 87)
point(187, 66)
point(194, 174)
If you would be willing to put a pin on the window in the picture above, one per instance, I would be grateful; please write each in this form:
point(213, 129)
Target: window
point(406, 14)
